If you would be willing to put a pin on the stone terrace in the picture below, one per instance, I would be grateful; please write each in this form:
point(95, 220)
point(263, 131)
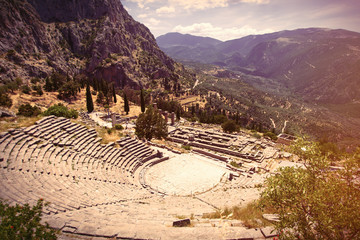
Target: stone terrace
point(247, 152)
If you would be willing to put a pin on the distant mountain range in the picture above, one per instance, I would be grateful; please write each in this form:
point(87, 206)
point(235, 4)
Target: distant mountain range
point(316, 64)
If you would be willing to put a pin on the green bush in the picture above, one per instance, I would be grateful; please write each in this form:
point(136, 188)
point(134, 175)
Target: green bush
point(234, 164)
point(119, 127)
point(35, 80)
point(26, 89)
point(5, 99)
point(256, 135)
point(28, 111)
point(271, 135)
point(23, 222)
point(38, 89)
point(60, 110)
point(186, 147)
point(229, 126)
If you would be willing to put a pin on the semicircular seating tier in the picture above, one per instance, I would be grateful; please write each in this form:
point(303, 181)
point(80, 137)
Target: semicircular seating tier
point(65, 164)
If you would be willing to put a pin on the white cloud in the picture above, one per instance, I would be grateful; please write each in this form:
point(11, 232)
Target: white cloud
point(256, 1)
point(208, 30)
point(200, 4)
point(191, 5)
point(164, 10)
point(144, 15)
point(153, 22)
point(141, 3)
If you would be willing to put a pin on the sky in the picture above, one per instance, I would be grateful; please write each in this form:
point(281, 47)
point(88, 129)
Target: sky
point(231, 19)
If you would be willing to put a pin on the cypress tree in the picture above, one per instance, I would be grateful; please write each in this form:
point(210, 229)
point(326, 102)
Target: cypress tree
point(142, 101)
point(114, 93)
point(126, 104)
point(89, 101)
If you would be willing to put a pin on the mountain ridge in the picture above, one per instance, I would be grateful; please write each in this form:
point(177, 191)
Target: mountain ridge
point(96, 38)
point(315, 63)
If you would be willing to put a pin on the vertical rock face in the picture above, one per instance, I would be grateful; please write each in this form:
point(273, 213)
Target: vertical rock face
point(95, 37)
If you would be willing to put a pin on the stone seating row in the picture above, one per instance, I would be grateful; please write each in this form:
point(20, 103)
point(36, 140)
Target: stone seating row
point(34, 167)
point(64, 194)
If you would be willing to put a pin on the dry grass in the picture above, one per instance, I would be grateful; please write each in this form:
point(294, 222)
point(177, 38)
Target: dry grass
point(250, 215)
point(191, 100)
point(108, 135)
point(172, 145)
point(17, 122)
point(50, 98)
point(212, 215)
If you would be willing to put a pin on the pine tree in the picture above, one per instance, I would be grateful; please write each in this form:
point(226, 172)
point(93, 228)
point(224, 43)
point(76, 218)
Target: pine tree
point(142, 101)
point(114, 93)
point(126, 104)
point(89, 101)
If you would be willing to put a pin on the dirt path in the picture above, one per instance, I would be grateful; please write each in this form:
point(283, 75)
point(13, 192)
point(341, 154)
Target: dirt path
point(283, 129)
point(273, 123)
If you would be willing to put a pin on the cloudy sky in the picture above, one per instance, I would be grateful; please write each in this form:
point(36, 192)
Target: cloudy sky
point(230, 19)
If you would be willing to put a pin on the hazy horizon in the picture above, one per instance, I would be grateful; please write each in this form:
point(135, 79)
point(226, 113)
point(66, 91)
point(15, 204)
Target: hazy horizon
point(231, 19)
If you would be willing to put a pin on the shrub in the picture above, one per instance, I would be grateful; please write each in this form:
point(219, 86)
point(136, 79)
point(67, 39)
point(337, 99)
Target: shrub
point(119, 127)
point(26, 89)
point(60, 110)
point(35, 80)
point(234, 164)
point(5, 99)
point(256, 135)
point(23, 222)
point(186, 147)
point(270, 135)
point(229, 126)
point(38, 89)
point(28, 111)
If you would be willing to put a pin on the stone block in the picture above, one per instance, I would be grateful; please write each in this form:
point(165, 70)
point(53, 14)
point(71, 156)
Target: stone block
point(182, 223)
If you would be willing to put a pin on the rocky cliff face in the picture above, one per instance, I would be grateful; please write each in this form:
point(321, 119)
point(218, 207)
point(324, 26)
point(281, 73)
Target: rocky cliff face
point(98, 38)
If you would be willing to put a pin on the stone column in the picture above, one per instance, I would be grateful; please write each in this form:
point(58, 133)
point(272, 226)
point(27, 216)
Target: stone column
point(172, 119)
point(113, 118)
point(166, 116)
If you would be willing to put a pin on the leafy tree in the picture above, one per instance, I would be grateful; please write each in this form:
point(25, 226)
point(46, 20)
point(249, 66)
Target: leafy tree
point(60, 110)
point(23, 222)
point(100, 97)
point(151, 124)
point(229, 126)
point(68, 90)
point(5, 99)
point(316, 202)
point(28, 111)
point(89, 100)
point(142, 100)
point(126, 105)
point(219, 119)
point(55, 81)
